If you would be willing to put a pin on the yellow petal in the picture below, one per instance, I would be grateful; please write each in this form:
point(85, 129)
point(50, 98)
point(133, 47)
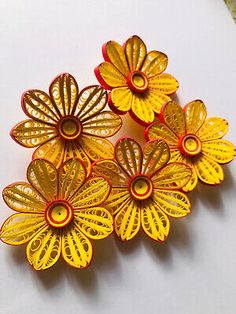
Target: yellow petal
point(20, 228)
point(117, 199)
point(96, 223)
point(193, 179)
point(213, 128)
point(154, 63)
point(135, 51)
point(158, 131)
point(122, 98)
point(44, 250)
point(164, 83)
point(221, 151)
point(156, 100)
point(142, 108)
point(195, 114)
point(108, 76)
point(96, 147)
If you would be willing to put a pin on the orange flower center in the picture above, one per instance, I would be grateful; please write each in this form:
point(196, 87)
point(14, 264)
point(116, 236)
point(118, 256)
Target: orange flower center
point(190, 145)
point(137, 81)
point(59, 214)
point(140, 187)
point(69, 128)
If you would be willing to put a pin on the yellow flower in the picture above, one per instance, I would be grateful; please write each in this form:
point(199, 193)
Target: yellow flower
point(135, 79)
point(144, 188)
point(66, 124)
point(58, 212)
point(194, 140)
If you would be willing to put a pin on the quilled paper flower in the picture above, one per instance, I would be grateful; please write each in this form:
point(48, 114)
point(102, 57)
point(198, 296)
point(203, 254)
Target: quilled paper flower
point(58, 212)
point(135, 78)
point(194, 140)
point(66, 124)
point(144, 188)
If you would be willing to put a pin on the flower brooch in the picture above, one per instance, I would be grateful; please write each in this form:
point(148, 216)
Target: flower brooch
point(82, 188)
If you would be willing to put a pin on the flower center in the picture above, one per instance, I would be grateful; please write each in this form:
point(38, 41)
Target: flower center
point(69, 128)
point(141, 188)
point(137, 81)
point(58, 214)
point(190, 145)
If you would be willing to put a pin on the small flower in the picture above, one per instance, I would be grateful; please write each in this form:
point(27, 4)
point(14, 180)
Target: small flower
point(194, 140)
point(135, 78)
point(144, 188)
point(66, 124)
point(58, 212)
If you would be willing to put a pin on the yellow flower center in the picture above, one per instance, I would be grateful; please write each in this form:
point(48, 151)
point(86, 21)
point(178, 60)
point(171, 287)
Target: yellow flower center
point(190, 145)
point(137, 81)
point(140, 187)
point(69, 128)
point(59, 213)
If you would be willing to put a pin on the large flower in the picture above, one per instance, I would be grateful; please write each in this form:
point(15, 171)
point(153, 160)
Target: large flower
point(194, 140)
point(144, 188)
point(58, 212)
point(135, 79)
point(67, 124)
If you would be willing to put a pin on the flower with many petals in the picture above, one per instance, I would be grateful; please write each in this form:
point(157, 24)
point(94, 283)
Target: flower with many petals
point(58, 212)
point(66, 124)
point(135, 78)
point(194, 140)
point(144, 188)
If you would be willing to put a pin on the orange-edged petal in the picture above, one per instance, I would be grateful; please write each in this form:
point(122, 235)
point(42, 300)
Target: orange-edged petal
point(208, 170)
point(104, 124)
point(142, 107)
point(212, 129)
point(44, 177)
point(53, 150)
point(96, 223)
point(154, 221)
point(173, 203)
point(38, 105)
point(22, 197)
point(30, 133)
point(64, 92)
point(193, 179)
point(92, 193)
point(44, 250)
point(221, 151)
point(77, 250)
point(72, 175)
point(127, 221)
point(117, 199)
point(195, 114)
point(173, 176)
point(20, 228)
point(135, 51)
point(112, 172)
point(156, 154)
point(156, 100)
point(96, 147)
point(114, 52)
point(154, 63)
point(173, 116)
point(164, 83)
point(128, 154)
point(157, 131)
point(122, 98)
point(108, 76)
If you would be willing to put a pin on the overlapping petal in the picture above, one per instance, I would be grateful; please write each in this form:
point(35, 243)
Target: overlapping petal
point(164, 83)
point(156, 100)
point(142, 107)
point(96, 147)
point(194, 178)
point(135, 51)
point(195, 115)
point(117, 199)
point(221, 151)
point(213, 128)
point(108, 76)
point(159, 130)
point(154, 63)
point(208, 170)
point(122, 98)
point(73, 149)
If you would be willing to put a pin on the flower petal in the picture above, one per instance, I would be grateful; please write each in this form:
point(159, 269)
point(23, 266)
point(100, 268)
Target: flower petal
point(173, 116)
point(96, 223)
point(173, 203)
point(158, 131)
point(193, 179)
point(64, 92)
point(92, 193)
point(20, 228)
point(44, 250)
point(154, 63)
point(30, 133)
point(108, 76)
point(156, 154)
point(164, 83)
point(72, 175)
point(38, 105)
point(77, 250)
point(127, 221)
point(195, 114)
point(135, 51)
point(208, 170)
point(122, 98)
point(213, 128)
point(128, 154)
point(142, 108)
point(172, 177)
point(104, 124)
point(44, 178)
point(96, 147)
point(74, 150)
point(22, 197)
point(156, 100)
point(221, 151)
point(154, 222)
point(117, 199)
